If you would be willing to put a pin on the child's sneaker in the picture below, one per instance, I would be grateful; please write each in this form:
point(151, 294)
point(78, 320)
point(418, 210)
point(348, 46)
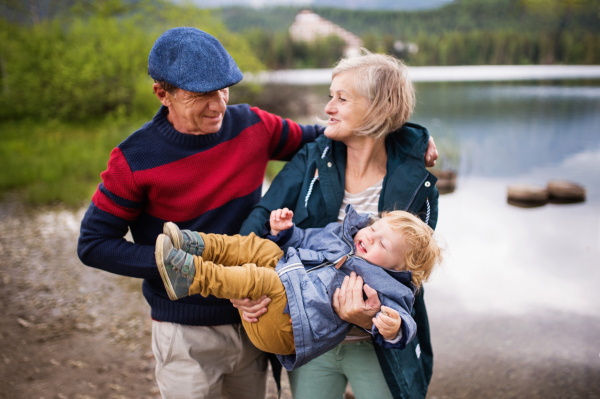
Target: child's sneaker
point(187, 240)
point(176, 268)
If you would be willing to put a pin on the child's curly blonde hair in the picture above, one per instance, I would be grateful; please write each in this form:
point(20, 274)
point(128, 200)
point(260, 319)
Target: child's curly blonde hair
point(422, 250)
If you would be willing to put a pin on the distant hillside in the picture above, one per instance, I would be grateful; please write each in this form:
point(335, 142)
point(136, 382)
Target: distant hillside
point(406, 5)
point(464, 32)
point(346, 4)
point(461, 15)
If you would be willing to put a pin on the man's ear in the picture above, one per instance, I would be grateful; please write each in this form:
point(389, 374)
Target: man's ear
point(162, 94)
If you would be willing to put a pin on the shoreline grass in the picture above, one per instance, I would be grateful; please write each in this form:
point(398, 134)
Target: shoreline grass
point(54, 161)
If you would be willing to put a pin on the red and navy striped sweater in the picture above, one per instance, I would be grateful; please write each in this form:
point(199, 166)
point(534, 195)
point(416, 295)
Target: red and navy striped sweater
point(206, 183)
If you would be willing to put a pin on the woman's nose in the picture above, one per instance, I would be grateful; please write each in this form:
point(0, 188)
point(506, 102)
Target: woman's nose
point(329, 108)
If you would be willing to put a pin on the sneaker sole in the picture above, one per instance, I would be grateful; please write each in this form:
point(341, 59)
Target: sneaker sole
point(172, 231)
point(160, 262)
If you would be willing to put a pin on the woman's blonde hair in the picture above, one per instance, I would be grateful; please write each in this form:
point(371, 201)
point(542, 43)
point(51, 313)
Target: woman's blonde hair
point(383, 80)
point(422, 250)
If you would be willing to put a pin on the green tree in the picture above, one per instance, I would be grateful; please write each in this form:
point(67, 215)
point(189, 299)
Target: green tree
point(93, 63)
point(370, 41)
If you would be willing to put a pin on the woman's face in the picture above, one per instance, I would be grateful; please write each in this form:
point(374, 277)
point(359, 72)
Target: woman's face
point(346, 108)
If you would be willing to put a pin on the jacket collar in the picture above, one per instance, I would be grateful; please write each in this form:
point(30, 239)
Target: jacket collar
point(410, 140)
point(354, 222)
point(407, 143)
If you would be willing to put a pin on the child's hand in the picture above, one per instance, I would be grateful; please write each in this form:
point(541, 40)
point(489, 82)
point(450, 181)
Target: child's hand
point(388, 322)
point(281, 219)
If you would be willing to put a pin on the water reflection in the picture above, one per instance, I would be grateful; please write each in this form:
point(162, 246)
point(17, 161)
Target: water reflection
point(507, 130)
point(504, 260)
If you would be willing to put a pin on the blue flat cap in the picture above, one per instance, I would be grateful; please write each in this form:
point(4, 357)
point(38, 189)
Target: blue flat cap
point(192, 60)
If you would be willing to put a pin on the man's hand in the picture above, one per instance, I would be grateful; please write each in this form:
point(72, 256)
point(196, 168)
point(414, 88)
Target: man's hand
point(388, 322)
point(252, 310)
point(281, 219)
point(431, 154)
point(349, 305)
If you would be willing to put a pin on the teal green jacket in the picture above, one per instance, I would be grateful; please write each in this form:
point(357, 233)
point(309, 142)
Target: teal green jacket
point(316, 202)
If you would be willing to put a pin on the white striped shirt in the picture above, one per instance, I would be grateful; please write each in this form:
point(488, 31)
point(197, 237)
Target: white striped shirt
point(367, 201)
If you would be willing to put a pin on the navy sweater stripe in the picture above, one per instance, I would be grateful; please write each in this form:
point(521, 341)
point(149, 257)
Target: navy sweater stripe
point(118, 200)
point(285, 129)
point(163, 144)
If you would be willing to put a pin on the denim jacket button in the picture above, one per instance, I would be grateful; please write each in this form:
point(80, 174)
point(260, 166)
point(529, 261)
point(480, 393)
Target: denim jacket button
point(329, 164)
point(427, 184)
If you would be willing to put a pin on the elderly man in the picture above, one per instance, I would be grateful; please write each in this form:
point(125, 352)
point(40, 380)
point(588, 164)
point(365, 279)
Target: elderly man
point(200, 164)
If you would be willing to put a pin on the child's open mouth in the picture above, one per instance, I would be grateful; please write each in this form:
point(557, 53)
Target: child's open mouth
point(360, 247)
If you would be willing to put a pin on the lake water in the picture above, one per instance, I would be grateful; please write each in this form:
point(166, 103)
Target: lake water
point(515, 260)
point(517, 301)
point(515, 308)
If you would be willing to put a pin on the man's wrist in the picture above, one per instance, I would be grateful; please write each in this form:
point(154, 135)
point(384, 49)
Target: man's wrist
point(367, 325)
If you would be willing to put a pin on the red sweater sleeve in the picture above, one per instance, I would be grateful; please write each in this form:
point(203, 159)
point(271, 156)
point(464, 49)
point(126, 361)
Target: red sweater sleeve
point(118, 193)
point(286, 136)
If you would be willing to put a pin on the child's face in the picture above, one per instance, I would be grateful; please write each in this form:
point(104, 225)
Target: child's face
point(381, 245)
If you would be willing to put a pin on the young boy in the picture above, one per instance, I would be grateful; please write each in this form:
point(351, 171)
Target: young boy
point(393, 255)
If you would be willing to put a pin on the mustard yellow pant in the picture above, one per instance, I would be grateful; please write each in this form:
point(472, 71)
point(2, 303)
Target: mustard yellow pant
point(237, 267)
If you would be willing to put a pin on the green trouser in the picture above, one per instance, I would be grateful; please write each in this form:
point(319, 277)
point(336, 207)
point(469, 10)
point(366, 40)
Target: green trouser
point(326, 376)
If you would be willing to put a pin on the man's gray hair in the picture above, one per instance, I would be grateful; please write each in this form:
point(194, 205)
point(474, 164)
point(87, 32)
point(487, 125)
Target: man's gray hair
point(168, 87)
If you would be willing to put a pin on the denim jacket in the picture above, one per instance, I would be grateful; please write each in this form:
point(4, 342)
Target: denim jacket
point(310, 278)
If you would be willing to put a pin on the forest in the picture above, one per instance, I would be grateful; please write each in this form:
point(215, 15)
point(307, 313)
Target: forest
point(465, 32)
point(74, 83)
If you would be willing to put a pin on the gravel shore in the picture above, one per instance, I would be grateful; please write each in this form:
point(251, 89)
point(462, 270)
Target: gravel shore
point(67, 330)
point(70, 331)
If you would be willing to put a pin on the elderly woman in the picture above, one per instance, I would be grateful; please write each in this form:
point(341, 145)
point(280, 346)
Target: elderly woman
point(372, 158)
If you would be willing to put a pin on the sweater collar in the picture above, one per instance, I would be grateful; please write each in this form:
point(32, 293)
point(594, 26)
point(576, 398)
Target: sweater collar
point(170, 133)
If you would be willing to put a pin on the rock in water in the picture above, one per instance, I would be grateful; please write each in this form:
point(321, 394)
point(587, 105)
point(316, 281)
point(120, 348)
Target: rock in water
point(526, 195)
point(564, 191)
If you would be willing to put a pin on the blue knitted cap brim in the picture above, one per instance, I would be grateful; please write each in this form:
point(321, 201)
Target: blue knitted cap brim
point(192, 60)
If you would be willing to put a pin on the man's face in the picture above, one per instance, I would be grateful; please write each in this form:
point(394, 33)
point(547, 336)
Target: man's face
point(196, 113)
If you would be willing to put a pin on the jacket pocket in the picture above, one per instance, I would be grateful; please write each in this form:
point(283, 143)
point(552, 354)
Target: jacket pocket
point(317, 306)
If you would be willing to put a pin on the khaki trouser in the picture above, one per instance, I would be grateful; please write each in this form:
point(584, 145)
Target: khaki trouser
point(273, 331)
point(198, 362)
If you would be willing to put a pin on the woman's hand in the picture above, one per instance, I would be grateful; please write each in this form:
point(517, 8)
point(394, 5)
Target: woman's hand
point(349, 305)
point(252, 310)
point(281, 219)
point(388, 323)
point(431, 154)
